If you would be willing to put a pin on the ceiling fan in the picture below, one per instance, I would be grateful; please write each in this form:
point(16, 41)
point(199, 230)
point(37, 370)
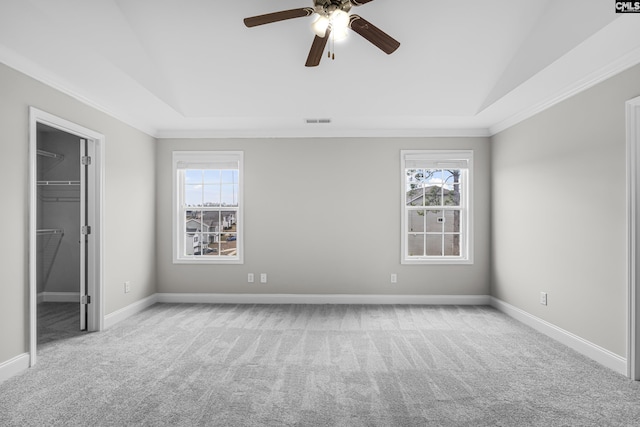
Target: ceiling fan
point(332, 21)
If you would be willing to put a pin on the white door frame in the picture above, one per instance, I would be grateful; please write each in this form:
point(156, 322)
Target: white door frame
point(633, 237)
point(95, 321)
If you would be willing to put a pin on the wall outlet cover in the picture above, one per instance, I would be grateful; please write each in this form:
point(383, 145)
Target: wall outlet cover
point(543, 298)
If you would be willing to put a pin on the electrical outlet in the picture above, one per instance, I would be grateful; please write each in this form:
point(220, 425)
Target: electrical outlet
point(263, 277)
point(394, 278)
point(250, 278)
point(127, 287)
point(543, 298)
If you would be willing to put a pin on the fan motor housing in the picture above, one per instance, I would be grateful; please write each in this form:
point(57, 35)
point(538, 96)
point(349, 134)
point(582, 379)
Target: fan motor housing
point(326, 7)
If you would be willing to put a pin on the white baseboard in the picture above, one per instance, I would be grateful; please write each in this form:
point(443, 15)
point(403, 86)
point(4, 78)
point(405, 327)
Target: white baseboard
point(128, 311)
point(586, 348)
point(202, 298)
point(59, 297)
point(14, 366)
point(323, 299)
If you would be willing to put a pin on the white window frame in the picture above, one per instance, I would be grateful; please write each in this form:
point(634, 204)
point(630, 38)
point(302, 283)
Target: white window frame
point(204, 160)
point(458, 159)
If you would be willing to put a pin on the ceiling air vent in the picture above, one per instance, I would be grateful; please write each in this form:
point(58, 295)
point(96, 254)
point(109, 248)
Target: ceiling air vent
point(317, 121)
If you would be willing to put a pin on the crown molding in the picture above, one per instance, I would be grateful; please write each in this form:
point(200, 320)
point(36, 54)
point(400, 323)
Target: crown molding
point(325, 133)
point(579, 86)
point(38, 73)
point(610, 52)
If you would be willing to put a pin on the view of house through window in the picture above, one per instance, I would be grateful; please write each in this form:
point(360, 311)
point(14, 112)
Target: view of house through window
point(436, 205)
point(434, 226)
point(211, 202)
point(208, 199)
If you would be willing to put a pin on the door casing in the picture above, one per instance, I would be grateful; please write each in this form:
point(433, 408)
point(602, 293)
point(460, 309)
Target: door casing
point(95, 192)
point(633, 237)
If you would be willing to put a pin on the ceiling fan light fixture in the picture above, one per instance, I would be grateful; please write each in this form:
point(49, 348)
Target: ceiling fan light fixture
point(339, 22)
point(339, 35)
point(331, 24)
point(320, 25)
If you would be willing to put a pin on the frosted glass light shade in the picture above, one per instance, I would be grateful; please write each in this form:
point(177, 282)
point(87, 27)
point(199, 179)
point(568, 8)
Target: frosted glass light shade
point(339, 21)
point(320, 25)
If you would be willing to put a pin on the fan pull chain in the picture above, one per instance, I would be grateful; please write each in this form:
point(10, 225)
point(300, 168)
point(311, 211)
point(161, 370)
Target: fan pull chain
point(332, 46)
point(329, 43)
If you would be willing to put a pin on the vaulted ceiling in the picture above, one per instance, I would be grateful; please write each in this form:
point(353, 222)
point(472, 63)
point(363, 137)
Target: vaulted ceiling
point(181, 68)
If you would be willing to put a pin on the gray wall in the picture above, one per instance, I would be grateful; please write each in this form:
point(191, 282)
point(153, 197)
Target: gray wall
point(558, 213)
point(129, 203)
point(322, 216)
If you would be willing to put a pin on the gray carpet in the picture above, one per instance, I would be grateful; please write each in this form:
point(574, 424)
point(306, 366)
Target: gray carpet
point(306, 365)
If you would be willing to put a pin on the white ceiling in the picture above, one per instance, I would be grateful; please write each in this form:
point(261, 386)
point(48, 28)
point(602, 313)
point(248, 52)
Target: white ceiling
point(190, 68)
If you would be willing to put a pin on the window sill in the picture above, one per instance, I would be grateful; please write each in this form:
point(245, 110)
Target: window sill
point(438, 261)
point(208, 261)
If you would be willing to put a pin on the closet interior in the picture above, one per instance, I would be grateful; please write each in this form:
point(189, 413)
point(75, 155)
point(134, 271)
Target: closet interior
point(58, 233)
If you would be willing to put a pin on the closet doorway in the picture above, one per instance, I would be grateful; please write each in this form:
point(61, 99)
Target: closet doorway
point(65, 230)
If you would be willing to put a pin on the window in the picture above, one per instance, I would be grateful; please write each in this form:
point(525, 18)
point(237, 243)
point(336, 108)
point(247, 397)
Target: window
point(208, 207)
point(436, 207)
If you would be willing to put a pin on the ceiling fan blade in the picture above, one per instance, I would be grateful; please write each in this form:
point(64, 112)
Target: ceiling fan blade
point(359, 2)
point(317, 49)
point(374, 34)
point(277, 16)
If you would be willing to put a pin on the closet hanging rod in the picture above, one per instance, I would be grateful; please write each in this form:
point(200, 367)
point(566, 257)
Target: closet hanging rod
point(61, 199)
point(58, 182)
point(50, 154)
point(49, 231)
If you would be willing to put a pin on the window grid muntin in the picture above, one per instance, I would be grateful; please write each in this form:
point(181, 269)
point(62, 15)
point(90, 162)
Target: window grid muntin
point(211, 167)
point(215, 237)
point(442, 233)
point(460, 160)
point(226, 187)
point(211, 243)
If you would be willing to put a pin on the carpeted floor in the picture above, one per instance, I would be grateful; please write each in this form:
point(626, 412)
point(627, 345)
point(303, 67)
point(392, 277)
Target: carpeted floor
point(316, 365)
